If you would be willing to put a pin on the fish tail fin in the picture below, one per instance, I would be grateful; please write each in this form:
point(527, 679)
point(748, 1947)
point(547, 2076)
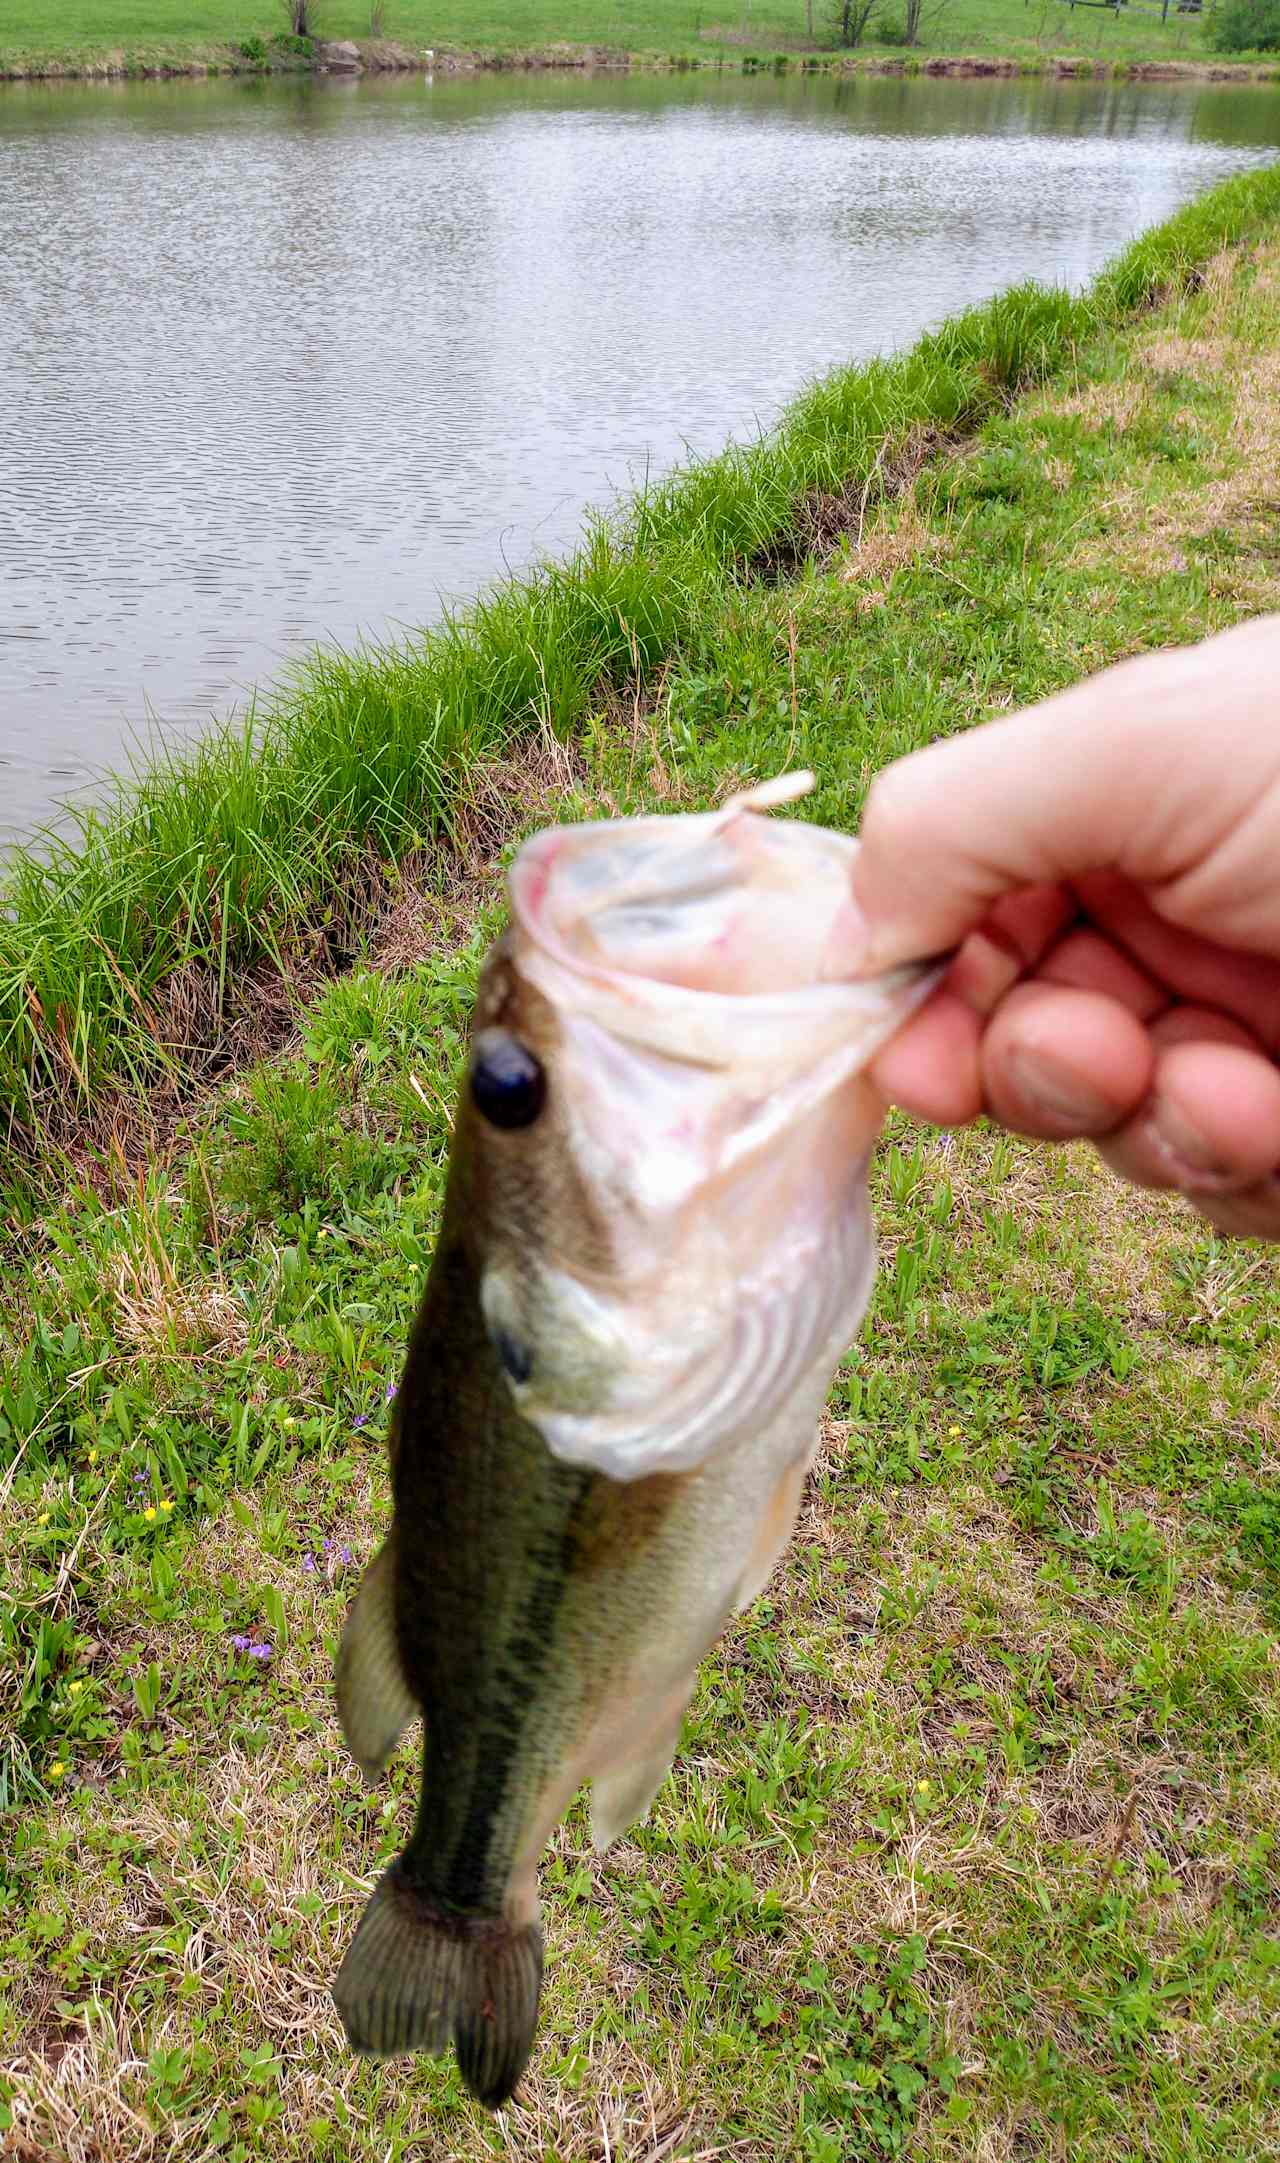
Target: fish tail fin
point(375, 1703)
point(494, 2026)
point(414, 1979)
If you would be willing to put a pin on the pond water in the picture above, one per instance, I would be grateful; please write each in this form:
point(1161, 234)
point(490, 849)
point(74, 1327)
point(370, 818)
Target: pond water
point(287, 362)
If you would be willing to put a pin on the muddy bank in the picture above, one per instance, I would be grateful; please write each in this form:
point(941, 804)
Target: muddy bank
point(375, 56)
point(363, 56)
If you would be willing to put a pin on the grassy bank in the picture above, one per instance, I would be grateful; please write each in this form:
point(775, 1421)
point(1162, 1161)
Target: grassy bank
point(140, 951)
point(140, 36)
point(971, 1846)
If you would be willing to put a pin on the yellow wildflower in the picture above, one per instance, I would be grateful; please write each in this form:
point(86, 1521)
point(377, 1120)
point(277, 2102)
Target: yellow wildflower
point(93, 1457)
point(165, 1503)
point(149, 1514)
point(953, 1432)
point(74, 1689)
point(43, 1518)
point(57, 1769)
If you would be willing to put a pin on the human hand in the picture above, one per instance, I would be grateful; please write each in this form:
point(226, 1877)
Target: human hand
point(1108, 866)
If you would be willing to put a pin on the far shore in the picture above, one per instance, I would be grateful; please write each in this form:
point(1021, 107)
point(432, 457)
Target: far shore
point(197, 62)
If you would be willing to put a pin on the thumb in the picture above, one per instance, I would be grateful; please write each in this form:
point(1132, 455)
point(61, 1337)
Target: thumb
point(1149, 769)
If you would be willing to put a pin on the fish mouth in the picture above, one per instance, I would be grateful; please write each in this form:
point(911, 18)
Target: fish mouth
point(709, 1048)
point(712, 938)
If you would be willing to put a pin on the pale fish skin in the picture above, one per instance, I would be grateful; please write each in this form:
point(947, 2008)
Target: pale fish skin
point(656, 1248)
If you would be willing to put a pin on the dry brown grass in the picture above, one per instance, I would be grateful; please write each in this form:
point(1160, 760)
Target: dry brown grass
point(156, 1311)
point(1201, 359)
point(1235, 491)
point(1112, 405)
point(259, 1850)
point(80, 2091)
point(887, 546)
point(431, 898)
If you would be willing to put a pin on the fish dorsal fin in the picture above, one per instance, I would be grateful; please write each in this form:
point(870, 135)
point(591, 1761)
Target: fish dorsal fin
point(375, 1703)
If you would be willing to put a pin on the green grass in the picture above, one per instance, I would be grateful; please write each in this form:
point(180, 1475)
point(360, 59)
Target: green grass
point(133, 946)
point(971, 1845)
point(1031, 33)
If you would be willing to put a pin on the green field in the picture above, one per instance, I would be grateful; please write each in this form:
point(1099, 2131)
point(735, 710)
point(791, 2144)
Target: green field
point(970, 1854)
point(1032, 33)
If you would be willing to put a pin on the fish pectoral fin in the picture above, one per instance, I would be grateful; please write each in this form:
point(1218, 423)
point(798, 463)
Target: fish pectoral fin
point(416, 1979)
point(375, 1703)
point(621, 1797)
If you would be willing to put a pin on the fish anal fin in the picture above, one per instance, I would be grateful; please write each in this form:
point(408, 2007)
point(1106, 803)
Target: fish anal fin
point(625, 1785)
point(776, 1524)
point(621, 1797)
point(622, 1793)
point(375, 1703)
point(415, 1979)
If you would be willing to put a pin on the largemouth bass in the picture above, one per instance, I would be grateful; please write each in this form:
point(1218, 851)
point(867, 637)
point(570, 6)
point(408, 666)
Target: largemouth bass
point(656, 1245)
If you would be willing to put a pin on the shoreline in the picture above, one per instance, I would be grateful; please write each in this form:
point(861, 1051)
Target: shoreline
point(381, 56)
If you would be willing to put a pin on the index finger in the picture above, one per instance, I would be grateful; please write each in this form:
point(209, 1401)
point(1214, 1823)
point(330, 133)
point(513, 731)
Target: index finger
point(1139, 770)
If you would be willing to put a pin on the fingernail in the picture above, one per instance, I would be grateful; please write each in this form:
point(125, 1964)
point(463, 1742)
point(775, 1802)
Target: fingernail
point(1190, 1160)
point(1059, 1093)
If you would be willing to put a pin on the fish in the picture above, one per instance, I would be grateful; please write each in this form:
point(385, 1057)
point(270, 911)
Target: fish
point(655, 1247)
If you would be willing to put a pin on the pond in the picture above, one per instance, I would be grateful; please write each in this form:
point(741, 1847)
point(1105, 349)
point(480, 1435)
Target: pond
point(293, 361)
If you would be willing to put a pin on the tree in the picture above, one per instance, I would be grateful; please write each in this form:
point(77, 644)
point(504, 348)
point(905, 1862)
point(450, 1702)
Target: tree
point(1245, 26)
point(918, 13)
point(851, 20)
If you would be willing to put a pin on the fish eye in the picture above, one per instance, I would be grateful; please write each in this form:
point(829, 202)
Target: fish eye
point(516, 1358)
point(508, 1085)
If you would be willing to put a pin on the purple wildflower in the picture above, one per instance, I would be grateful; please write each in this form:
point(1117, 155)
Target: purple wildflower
point(344, 1554)
point(308, 1564)
point(241, 1642)
point(391, 1390)
point(361, 1420)
point(259, 1652)
point(139, 1479)
point(328, 1547)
